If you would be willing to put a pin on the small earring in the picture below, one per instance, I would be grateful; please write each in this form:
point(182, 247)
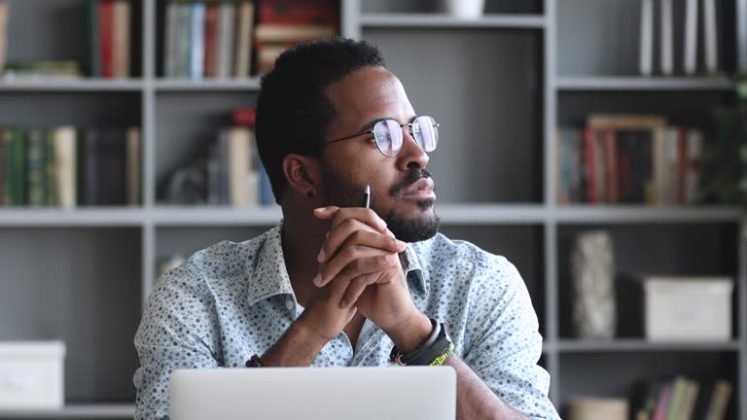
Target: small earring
point(310, 193)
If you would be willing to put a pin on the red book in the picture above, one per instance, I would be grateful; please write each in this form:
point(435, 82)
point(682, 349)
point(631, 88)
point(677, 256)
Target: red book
point(590, 164)
point(106, 28)
point(299, 12)
point(211, 39)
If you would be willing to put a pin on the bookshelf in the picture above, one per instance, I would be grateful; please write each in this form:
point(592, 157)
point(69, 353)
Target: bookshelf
point(514, 75)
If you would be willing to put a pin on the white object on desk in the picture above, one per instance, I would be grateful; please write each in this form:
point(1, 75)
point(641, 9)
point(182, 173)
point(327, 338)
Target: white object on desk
point(32, 375)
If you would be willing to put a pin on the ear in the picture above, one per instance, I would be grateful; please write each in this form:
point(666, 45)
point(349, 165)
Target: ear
point(303, 173)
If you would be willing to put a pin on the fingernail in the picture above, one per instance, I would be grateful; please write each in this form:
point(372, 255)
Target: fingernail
point(401, 243)
point(317, 280)
point(319, 209)
point(320, 257)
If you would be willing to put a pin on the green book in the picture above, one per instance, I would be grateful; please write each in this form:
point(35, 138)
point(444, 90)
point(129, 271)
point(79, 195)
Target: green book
point(36, 169)
point(51, 172)
point(17, 167)
point(6, 144)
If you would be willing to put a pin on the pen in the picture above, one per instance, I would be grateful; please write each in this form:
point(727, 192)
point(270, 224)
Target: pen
point(367, 197)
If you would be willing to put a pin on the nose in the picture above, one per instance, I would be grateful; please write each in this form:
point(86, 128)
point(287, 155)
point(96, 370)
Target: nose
point(411, 153)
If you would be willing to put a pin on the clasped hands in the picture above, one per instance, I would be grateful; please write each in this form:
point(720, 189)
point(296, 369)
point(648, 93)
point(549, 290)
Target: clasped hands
point(360, 271)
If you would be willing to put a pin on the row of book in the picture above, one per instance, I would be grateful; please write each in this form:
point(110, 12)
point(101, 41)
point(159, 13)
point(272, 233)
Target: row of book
point(230, 173)
point(68, 167)
point(218, 39)
point(696, 20)
point(682, 398)
point(629, 159)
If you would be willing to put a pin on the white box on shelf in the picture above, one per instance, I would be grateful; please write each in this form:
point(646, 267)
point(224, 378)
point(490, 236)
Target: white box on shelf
point(688, 308)
point(32, 375)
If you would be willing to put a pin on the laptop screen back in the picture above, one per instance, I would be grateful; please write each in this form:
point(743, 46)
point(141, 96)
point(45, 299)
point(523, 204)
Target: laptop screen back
point(362, 393)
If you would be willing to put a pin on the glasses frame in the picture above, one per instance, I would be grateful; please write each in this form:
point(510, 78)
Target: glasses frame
point(402, 126)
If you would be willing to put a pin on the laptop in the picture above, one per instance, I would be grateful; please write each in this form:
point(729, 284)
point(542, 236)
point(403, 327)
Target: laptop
point(360, 393)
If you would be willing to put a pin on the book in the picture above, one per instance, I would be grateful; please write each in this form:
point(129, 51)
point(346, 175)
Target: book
point(646, 46)
point(121, 39)
point(94, 39)
point(133, 166)
point(691, 37)
point(244, 35)
point(197, 40)
point(65, 158)
point(183, 37)
point(171, 40)
point(211, 39)
point(104, 172)
point(666, 48)
point(711, 36)
point(226, 19)
point(3, 33)
point(36, 168)
point(719, 401)
point(286, 33)
point(106, 26)
point(243, 180)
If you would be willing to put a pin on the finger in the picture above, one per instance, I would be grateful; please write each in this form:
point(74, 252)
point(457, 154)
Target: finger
point(356, 288)
point(338, 215)
point(352, 262)
point(353, 232)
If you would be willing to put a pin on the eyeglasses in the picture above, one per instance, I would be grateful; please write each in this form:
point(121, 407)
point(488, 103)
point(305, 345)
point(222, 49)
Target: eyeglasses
point(389, 137)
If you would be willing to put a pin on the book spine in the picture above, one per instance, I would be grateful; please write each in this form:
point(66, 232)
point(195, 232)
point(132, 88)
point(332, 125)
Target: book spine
point(106, 22)
point(3, 34)
point(183, 37)
point(711, 36)
point(211, 39)
point(667, 38)
point(197, 41)
point(20, 197)
point(225, 40)
point(691, 36)
point(171, 47)
point(65, 162)
point(243, 43)
point(94, 38)
point(133, 166)
point(239, 158)
point(121, 41)
point(52, 193)
point(590, 165)
point(646, 37)
point(36, 168)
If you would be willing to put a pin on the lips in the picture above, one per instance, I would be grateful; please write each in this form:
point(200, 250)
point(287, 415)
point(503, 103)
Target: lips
point(420, 190)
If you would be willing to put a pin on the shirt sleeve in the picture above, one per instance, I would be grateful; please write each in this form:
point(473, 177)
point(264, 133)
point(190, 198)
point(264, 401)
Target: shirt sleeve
point(177, 331)
point(506, 344)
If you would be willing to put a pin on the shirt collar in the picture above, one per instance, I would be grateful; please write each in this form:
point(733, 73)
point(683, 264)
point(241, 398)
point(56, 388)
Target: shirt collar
point(267, 275)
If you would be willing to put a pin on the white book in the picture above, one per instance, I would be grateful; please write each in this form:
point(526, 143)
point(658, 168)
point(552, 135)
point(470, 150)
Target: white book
point(121, 30)
point(691, 37)
point(133, 166)
point(171, 47)
point(646, 50)
point(243, 42)
point(65, 162)
point(240, 168)
point(226, 18)
point(666, 46)
point(197, 41)
point(711, 36)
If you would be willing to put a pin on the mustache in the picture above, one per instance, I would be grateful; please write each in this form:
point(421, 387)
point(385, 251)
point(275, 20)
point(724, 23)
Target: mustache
point(413, 175)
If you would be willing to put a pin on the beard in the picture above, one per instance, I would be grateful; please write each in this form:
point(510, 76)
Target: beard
point(413, 229)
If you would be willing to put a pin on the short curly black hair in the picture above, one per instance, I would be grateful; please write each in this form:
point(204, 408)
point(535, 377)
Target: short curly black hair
point(292, 109)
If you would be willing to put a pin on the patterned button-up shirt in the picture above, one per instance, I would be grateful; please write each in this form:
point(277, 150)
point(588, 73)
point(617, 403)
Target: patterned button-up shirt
point(233, 300)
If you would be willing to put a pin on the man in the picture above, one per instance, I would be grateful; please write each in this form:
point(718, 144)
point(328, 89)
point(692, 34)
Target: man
point(338, 284)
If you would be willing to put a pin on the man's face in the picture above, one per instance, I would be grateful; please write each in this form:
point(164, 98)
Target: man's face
point(402, 191)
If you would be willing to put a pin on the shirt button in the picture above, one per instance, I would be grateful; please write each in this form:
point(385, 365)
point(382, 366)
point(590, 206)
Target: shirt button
point(289, 304)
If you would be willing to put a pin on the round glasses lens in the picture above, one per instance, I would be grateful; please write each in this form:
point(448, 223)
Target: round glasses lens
point(425, 132)
point(388, 136)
